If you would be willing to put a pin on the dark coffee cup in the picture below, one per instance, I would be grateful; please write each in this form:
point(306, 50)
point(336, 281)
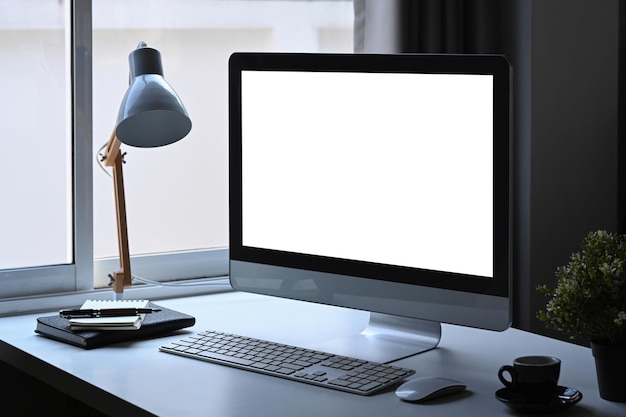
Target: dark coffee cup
point(535, 377)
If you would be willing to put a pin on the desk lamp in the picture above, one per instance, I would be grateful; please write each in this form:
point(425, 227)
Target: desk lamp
point(151, 115)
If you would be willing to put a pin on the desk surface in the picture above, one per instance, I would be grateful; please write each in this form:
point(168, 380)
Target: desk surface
point(135, 378)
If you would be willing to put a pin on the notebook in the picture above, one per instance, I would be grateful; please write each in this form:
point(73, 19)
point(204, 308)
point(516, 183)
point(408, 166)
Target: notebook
point(110, 323)
point(154, 325)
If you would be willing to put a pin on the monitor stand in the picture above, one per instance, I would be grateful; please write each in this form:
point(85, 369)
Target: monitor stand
point(387, 338)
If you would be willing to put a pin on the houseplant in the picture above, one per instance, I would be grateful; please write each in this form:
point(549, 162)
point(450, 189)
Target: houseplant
point(589, 303)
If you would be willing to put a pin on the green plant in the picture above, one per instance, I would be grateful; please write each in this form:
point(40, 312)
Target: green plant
point(589, 301)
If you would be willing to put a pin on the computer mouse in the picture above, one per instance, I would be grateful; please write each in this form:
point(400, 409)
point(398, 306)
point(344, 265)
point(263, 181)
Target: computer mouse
point(427, 388)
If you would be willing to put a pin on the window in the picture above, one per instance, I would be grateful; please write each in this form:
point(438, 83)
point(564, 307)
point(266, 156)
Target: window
point(37, 212)
point(45, 229)
point(176, 196)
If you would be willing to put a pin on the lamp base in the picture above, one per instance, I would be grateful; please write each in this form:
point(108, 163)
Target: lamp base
point(119, 282)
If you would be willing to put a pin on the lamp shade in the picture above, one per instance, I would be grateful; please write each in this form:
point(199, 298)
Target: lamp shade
point(151, 114)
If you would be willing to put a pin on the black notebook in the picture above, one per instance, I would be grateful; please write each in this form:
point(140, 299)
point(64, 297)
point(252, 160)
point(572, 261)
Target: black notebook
point(154, 324)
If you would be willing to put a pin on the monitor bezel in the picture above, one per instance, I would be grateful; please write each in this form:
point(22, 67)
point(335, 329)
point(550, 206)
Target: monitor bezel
point(404, 63)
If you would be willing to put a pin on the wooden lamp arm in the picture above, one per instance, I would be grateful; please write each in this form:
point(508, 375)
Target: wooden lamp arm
point(113, 158)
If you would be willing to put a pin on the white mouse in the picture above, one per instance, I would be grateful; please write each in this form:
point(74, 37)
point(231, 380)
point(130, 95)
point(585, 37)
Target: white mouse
point(427, 388)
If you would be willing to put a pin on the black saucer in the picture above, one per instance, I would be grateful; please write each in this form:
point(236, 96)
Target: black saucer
point(563, 397)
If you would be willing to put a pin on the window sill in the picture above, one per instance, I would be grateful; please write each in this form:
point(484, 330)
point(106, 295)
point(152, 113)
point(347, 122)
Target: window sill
point(178, 274)
point(52, 302)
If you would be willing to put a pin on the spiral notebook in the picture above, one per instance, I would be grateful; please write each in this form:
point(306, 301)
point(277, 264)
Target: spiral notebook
point(110, 323)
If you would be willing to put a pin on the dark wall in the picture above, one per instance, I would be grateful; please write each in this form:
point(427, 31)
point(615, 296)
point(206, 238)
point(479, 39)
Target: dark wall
point(621, 183)
point(566, 138)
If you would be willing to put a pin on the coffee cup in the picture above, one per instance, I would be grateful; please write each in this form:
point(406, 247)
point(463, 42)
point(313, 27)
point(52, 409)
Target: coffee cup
point(535, 377)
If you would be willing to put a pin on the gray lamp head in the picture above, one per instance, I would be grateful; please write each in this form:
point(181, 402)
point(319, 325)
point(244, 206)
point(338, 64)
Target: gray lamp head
point(151, 114)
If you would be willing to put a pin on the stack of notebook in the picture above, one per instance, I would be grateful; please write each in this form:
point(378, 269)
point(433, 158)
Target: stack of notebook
point(117, 322)
point(94, 332)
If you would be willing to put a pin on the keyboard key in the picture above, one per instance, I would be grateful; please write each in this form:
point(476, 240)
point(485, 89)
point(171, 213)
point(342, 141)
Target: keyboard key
point(217, 356)
point(370, 386)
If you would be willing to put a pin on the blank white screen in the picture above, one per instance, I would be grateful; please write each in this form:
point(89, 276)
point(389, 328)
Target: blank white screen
point(379, 167)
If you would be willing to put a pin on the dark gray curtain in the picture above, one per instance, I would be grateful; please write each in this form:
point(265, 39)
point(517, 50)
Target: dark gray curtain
point(449, 26)
point(429, 26)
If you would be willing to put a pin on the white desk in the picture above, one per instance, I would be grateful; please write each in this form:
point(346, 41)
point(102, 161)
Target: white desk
point(137, 379)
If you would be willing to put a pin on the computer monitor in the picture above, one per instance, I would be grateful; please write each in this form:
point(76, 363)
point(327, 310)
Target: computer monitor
point(374, 182)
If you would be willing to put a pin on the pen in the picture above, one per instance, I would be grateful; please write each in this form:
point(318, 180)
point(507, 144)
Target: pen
point(105, 312)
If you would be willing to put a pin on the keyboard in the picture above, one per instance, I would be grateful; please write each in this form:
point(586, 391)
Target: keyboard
point(294, 363)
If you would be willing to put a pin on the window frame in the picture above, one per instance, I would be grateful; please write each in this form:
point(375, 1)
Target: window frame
point(56, 278)
point(50, 287)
